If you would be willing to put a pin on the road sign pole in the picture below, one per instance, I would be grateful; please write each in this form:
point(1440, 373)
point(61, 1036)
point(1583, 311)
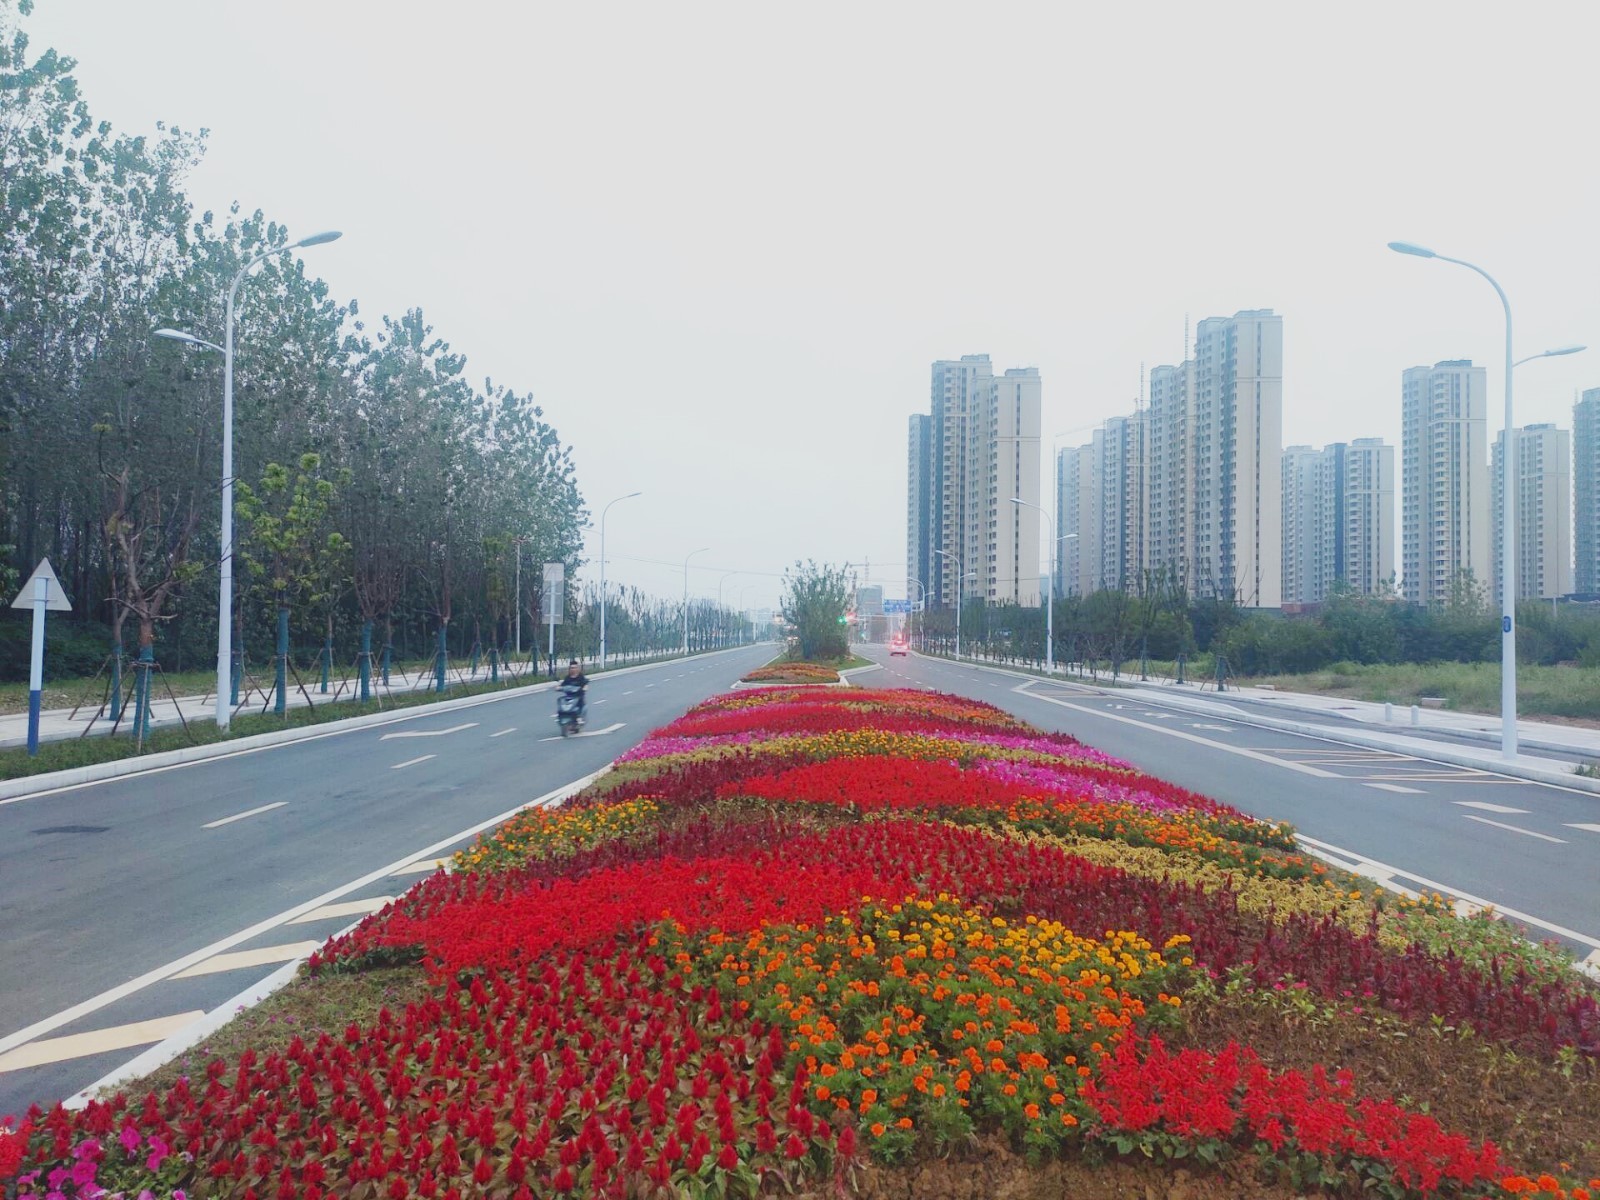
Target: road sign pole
point(41, 597)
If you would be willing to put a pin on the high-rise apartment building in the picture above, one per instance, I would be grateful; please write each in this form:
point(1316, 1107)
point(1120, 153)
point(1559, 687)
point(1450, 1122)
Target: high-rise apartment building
point(1169, 426)
point(1338, 519)
point(1121, 442)
point(1078, 518)
point(1368, 508)
point(1543, 545)
point(1445, 479)
point(982, 448)
point(1237, 438)
point(1586, 492)
point(920, 501)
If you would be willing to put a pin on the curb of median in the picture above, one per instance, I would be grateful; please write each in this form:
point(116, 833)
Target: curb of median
point(50, 781)
point(1431, 751)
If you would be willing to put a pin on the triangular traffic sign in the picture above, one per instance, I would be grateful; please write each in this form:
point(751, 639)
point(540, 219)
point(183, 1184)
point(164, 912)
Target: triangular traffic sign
point(56, 599)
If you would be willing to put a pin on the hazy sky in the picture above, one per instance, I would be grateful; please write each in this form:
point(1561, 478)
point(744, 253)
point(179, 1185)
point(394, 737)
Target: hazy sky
point(722, 243)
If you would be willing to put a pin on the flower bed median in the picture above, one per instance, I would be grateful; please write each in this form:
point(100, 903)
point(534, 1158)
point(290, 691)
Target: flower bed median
point(785, 672)
point(817, 940)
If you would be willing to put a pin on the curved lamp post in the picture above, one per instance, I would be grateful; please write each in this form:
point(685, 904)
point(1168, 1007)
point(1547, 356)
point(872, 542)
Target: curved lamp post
point(603, 513)
point(1049, 608)
point(1508, 518)
point(225, 589)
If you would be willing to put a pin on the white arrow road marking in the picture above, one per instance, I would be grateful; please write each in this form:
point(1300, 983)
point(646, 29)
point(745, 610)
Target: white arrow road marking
point(241, 816)
point(588, 732)
point(411, 762)
point(1218, 728)
point(411, 733)
point(97, 1041)
point(1487, 807)
point(1517, 829)
point(1586, 828)
point(1395, 787)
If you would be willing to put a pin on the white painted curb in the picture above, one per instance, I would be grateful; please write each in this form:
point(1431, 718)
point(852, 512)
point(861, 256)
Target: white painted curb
point(51, 781)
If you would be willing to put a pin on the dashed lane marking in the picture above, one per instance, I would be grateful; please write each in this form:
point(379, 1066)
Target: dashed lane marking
point(1395, 787)
point(1586, 828)
point(241, 816)
point(1545, 837)
point(427, 866)
point(503, 732)
point(261, 955)
point(97, 1041)
point(345, 908)
point(416, 733)
point(1502, 809)
point(411, 762)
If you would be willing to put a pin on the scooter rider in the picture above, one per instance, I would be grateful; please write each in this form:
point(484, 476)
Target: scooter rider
point(576, 681)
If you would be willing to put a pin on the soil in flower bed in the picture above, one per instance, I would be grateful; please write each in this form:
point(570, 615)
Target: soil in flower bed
point(1536, 1110)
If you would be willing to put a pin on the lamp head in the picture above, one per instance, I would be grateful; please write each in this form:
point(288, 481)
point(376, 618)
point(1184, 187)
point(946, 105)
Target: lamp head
point(318, 239)
point(1412, 248)
point(631, 495)
point(188, 339)
point(1560, 350)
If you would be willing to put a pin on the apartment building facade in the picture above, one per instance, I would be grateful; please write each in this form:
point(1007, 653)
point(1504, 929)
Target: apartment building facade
point(1586, 492)
point(1444, 480)
point(1543, 542)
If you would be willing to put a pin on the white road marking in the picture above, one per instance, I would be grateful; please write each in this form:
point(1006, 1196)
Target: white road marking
point(241, 816)
point(503, 732)
point(416, 733)
point(411, 762)
point(345, 908)
point(217, 963)
point(1502, 809)
point(1586, 828)
point(589, 732)
point(1325, 849)
point(123, 990)
point(96, 1041)
point(1395, 787)
point(1517, 829)
point(426, 866)
point(1218, 728)
point(627, 693)
point(1188, 737)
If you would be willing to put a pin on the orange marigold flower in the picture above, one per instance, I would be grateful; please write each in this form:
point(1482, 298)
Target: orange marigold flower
point(878, 1129)
point(1031, 1111)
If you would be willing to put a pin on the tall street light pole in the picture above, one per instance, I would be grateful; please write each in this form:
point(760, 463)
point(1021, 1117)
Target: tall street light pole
point(603, 513)
point(1508, 518)
point(225, 588)
point(962, 575)
point(922, 593)
point(1049, 608)
point(686, 559)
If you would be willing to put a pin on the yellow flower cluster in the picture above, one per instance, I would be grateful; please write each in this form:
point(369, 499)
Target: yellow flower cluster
point(539, 833)
point(856, 743)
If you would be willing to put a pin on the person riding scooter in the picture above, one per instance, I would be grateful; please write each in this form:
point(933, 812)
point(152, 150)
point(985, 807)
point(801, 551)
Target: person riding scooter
point(576, 684)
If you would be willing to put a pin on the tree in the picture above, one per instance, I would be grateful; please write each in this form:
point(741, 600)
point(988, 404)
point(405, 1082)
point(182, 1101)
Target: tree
point(815, 601)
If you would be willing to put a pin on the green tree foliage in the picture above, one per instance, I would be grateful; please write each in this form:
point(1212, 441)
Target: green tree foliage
point(815, 601)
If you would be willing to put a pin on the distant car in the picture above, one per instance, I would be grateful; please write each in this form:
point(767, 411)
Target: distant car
point(898, 646)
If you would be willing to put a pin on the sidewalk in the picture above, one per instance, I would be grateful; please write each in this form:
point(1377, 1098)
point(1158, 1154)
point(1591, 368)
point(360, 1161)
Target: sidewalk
point(59, 724)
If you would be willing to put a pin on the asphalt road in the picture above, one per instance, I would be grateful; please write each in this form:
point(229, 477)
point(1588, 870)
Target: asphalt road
point(115, 884)
point(1522, 846)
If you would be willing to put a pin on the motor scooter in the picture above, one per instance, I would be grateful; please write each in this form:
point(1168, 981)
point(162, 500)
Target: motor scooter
point(569, 710)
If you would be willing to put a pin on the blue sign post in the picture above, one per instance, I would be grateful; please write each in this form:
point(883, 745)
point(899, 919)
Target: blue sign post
point(896, 606)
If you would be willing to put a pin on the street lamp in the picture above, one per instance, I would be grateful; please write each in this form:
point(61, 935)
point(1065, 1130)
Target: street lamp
point(1049, 608)
point(961, 590)
point(686, 559)
point(225, 588)
point(1508, 526)
point(603, 513)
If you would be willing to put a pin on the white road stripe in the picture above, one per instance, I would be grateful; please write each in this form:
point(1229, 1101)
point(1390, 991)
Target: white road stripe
point(1517, 829)
point(241, 816)
point(1502, 809)
point(96, 1041)
point(416, 733)
point(217, 963)
point(1394, 787)
point(411, 762)
point(346, 908)
point(503, 732)
point(1586, 828)
point(1188, 737)
point(426, 866)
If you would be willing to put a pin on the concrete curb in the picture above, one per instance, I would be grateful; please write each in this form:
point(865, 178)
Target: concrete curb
point(1418, 748)
point(51, 781)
